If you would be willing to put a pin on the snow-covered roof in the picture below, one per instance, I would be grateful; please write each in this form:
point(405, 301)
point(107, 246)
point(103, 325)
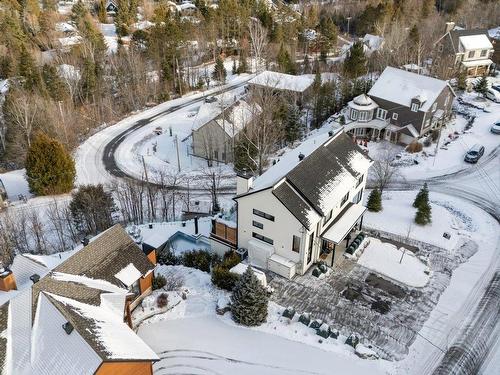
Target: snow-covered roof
point(239, 116)
point(363, 103)
point(373, 42)
point(281, 81)
point(128, 275)
point(494, 33)
point(400, 86)
point(310, 187)
point(479, 41)
point(337, 231)
point(477, 62)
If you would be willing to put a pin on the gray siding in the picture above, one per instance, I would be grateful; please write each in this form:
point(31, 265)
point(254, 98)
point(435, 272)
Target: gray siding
point(211, 142)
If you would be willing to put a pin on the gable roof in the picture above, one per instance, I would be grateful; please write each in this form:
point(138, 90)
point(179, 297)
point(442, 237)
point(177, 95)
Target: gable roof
point(103, 258)
point(456, 33)
point(309, 188)
point(478, 41)
point(400, 86)
point(282, 81)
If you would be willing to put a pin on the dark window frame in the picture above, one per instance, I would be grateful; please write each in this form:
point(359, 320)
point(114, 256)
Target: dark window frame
point(262, 238)
point(360, 180)
point(257, 224)
point(263, 214)
point(345, 198)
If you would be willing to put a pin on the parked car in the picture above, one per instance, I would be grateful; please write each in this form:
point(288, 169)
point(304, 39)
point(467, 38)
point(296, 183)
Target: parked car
point(493, 95)
point(474, 154)
point(158, 130)
point(496, 87)
point(210, 99)
point(495, 128)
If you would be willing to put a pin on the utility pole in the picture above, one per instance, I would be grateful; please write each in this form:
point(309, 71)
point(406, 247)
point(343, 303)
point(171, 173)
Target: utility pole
point(348, 20)
point(176, 140)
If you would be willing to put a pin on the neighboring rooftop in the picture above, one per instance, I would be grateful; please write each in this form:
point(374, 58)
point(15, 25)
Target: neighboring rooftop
point(281, 81)
point(399, 86)
point(479, 41)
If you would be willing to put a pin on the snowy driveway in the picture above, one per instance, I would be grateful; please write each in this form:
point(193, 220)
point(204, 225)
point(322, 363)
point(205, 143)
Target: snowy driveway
point(207, 345)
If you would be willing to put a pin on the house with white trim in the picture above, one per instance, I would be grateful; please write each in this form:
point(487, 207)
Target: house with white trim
point(303, 206)
point(471, 50)
point(401, 107)
point(75, 317)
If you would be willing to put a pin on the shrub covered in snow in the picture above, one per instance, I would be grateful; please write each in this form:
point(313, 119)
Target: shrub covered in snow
point(199, 259)
point(223, 278)
point(249, 300)
point(162, 300)
point(159, 282)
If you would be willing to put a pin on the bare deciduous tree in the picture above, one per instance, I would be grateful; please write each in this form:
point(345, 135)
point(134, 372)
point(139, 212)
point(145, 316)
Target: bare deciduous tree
point(383, 169)
point(258, 38)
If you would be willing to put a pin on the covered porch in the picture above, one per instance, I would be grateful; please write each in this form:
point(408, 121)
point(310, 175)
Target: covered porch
point(477, 68)
point(337, 236)
point(371, 130)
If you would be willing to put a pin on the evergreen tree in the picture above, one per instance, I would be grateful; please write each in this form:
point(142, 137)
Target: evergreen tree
point(423, 215)
point(53, 83)
point(219, 72)
point(285, 63)
point(307, 65)
point(50, 169)
point(293, 124)
point(249, 300)
point(355, 61)
point(101, 11)
point(243, 64)
point(422, 196)
point(244, 152)
point(28, 70)
point(92, 209)
point(374, 203)
point(481, 86)
point(462, 80)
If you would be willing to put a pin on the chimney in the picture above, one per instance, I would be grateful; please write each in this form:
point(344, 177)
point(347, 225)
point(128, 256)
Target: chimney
point(301, 156)
point(7, 280)
point(330, 133)
point(85, 241)
point(244, 183)
point(196, 225)
point(35, 278)
point(449, 26)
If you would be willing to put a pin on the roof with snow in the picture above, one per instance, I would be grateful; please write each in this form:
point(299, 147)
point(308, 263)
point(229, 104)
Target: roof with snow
point(310, 187)
point(281, 81)
point(400, 86)
point(479, 41)
point(494, 33)
point(87, 290)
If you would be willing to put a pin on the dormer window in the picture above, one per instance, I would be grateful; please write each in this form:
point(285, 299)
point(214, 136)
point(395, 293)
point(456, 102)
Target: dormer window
point(414, 107)
point(471, 54)
point(484, 52)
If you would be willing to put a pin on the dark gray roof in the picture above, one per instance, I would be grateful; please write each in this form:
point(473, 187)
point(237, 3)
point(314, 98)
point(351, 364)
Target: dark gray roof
point(294, 203)
point(455, 34)
point(105, 256)
point(4, 316)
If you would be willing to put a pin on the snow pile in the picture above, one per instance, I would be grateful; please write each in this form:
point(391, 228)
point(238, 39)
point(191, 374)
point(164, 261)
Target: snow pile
point(384, 258)
point(128, 275)
point(89, 282)
point(281, 81)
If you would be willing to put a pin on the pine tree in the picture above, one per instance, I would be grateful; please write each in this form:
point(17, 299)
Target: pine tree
point(249, 300)
point(374, 203)
point(355, 61)
point(101, 11)
point(462, 80)
point(53, 83)
point(482, 86)
point(293, 124)
point(28, 70)
point(243, 64)
point(92, 209)
point(422, 196)
point(219, 72)
point(50, 169)
point(423, 215)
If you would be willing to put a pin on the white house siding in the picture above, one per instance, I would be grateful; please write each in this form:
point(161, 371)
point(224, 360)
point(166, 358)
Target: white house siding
point(281, 230)
point(56, 352)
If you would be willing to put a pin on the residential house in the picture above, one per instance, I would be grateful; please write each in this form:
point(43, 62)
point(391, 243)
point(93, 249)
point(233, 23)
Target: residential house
point(111, 6)
point(400, 107)
point(215, 139)
point(304, 206)
point(372, 43)
point(75, 318)
point(495, 40)
point(293, 87)
point(470, 50)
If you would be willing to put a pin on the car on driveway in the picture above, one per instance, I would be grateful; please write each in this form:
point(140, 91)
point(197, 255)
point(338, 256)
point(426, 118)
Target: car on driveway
point(496, 87)
point(474, 154)
point(495, 128)
point(210, 99)
point(493, 95)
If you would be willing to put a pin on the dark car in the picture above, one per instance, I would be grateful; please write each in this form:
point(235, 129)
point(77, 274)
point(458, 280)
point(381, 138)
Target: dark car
point(474, 154)
point(210, 99)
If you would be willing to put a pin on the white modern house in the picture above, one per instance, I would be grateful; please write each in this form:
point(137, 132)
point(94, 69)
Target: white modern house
point(303, 206)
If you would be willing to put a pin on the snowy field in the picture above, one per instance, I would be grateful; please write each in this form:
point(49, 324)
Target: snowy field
point(191, 338)
point(385, 258)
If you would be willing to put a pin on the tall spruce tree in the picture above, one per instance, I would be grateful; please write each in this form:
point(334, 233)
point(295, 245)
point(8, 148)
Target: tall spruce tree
point(374, 203)
point(423, 215)
point(219, 72)
point(481, 86)
point(28, 70)
point(50, 169)
point(249, 300)
point(422, 196)
point(293, 123)
point(355, 62)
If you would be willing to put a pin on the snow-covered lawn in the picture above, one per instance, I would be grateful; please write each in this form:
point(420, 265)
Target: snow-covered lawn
point(398, 214)
point(15, 184)
point(192, 338)
point(384, 258)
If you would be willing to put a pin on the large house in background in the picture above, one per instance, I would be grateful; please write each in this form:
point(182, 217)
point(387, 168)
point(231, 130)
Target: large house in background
point(75, 318)
point(304, 205)
point(400, 107)
point(470, 50)
point(215, 139)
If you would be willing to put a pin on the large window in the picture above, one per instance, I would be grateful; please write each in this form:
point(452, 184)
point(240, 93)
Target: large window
point(358, 197)
point(365, 115)
point(256, 224)
point(263, 214)
point(296, 244)
point(360, 180)
point(414, 107)
point(310, 249)
point(484, 52)
point(262, 238)
point(328, 216)
point(471, 54)
point(381, 113)
point(354, 114)
point(135, 288)
point(344, 199)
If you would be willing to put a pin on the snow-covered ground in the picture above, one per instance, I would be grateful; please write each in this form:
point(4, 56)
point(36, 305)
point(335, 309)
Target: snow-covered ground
point(397, 264)
point(192, 338)
point(15, 184)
